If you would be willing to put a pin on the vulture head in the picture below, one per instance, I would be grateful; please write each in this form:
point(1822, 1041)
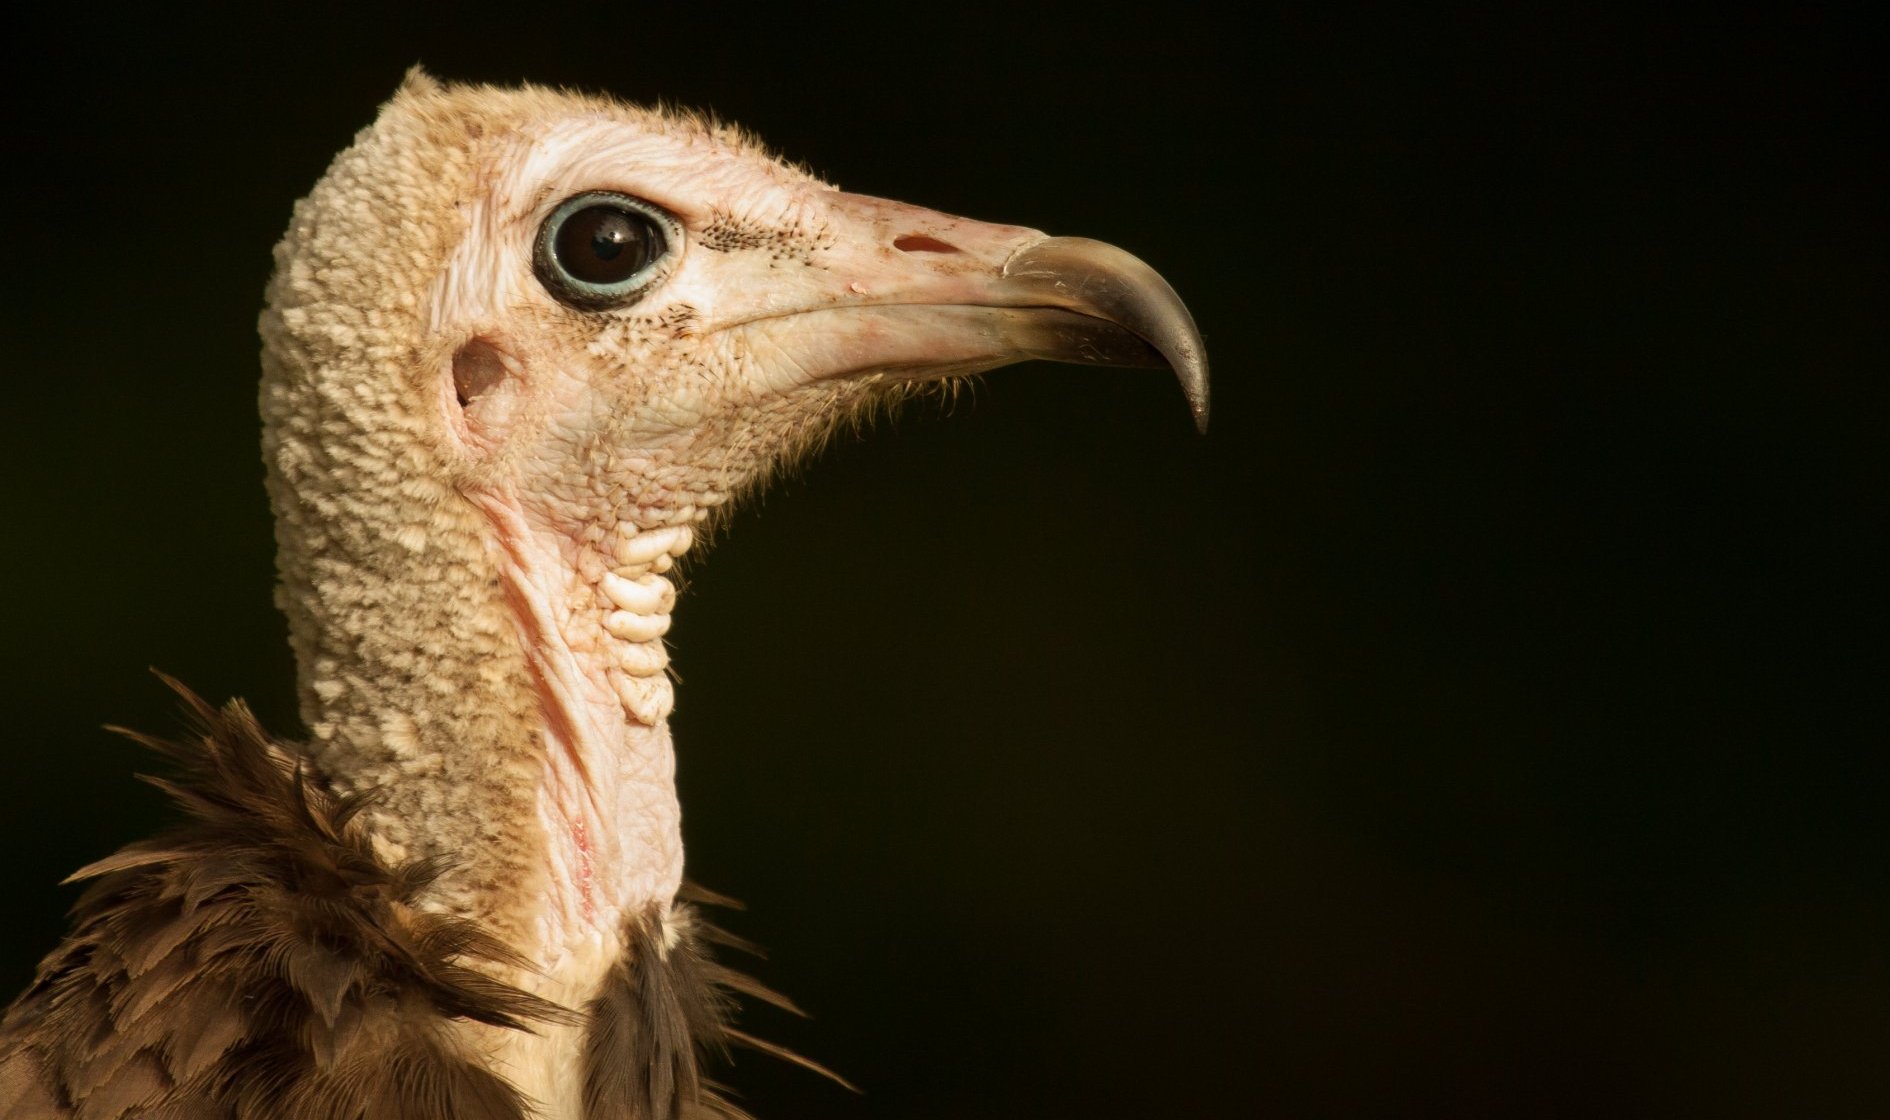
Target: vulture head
point(519, 347)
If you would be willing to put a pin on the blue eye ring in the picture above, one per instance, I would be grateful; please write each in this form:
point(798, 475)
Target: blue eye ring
point(603, 249)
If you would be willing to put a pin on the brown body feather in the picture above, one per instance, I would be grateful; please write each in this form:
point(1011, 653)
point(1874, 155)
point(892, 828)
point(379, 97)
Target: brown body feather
point(260, 962)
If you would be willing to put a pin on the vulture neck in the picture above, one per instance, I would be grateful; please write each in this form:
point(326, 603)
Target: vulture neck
point(508, 703)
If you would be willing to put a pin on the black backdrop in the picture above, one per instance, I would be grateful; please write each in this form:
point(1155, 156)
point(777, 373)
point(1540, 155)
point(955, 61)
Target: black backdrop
point(1485, 719)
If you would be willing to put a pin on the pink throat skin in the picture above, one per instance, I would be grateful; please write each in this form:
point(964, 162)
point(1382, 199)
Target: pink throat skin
point(590, 620)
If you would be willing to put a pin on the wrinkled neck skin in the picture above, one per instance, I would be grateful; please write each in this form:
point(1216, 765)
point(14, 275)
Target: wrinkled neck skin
point(527, 746)
point(511, 719)
point(492, 667)
point(489, 661)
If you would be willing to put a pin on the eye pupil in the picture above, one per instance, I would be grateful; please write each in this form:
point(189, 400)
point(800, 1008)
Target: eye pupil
point(596, 250)
point(604, 244)
point(608, 241)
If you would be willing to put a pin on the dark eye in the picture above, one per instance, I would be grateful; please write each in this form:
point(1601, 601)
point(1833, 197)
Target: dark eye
point(600, 249)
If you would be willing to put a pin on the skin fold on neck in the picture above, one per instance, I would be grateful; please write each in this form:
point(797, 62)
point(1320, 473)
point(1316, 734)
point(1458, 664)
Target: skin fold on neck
point(590, 618)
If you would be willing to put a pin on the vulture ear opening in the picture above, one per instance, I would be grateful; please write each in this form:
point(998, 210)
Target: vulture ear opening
point(478, 368)
point(486, 383)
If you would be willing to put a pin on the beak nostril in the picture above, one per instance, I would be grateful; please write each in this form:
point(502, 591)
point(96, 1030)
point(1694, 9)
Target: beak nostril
point(920, 243)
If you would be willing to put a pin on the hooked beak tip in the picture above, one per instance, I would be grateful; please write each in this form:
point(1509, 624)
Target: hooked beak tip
point(1097, 279)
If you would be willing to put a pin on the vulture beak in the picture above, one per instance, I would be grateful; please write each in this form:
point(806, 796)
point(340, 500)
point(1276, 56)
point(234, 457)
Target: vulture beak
point(910, 292)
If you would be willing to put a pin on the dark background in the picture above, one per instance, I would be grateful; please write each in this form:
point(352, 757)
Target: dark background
point(1485, 719)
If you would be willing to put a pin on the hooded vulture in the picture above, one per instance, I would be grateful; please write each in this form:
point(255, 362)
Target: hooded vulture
point(519, 346)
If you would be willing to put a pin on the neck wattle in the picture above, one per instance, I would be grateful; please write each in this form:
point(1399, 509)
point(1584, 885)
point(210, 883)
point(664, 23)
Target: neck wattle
point(590, 618)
